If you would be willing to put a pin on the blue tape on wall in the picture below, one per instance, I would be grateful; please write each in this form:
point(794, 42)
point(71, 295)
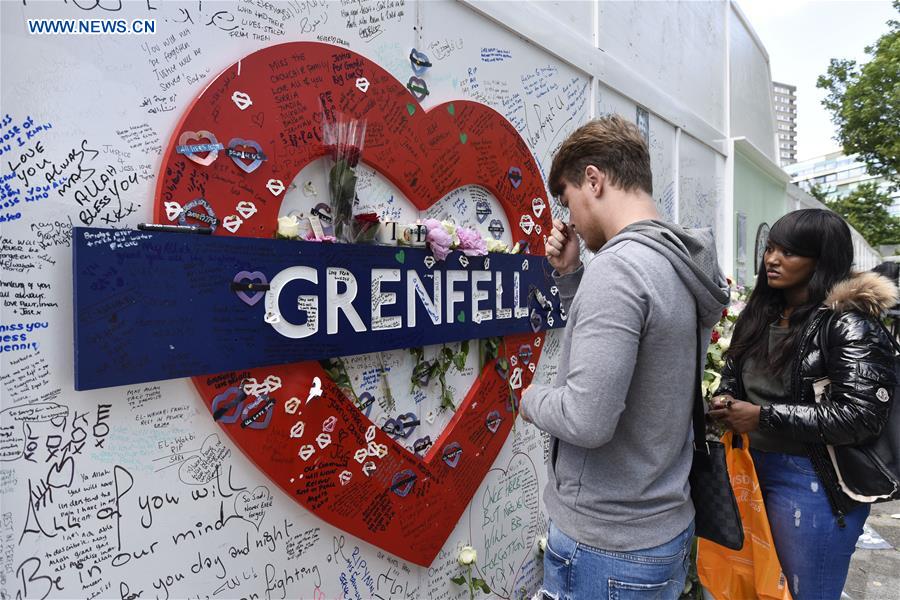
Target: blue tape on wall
point(152, 306)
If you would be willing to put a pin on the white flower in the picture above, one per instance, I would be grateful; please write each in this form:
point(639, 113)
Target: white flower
point(289, 226)
point(496, 245)
point(724, 343)
point(450, 228)
point(467, 556)
point(542, 543)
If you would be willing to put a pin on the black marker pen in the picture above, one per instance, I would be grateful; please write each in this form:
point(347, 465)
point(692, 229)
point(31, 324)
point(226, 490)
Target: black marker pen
point(202, 229)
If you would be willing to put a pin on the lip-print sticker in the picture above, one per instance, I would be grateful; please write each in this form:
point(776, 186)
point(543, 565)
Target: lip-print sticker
point(241, 100)
point(451, 454)
point(419, 61)
point(482, 210)
point(538, 206)
point(323, 440)
point(531, 367)
point(362, 84)
point(329, 423)
point(368, 468)
point(525, 353)
point(189, 151)
point(496, 228)
point(344, 477)
point(464, 260)
point(514, 360)
point(429, 261)
point(515, 177)
point(422, 444)
point(537, 321)
point(361, 455)
point(232, 398)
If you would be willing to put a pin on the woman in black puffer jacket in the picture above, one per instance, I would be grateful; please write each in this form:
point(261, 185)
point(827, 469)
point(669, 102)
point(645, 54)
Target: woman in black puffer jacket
point(810, 366)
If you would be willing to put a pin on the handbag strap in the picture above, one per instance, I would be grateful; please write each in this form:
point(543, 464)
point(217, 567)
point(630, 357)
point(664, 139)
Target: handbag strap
point(699, 416)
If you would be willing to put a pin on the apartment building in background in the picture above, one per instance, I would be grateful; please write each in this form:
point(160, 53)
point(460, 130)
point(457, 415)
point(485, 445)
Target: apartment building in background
point(784, 100)
point(837, 175)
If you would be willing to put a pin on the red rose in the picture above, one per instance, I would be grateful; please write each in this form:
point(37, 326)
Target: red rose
point(724, 313)
point(367, 217)
point(715, 336)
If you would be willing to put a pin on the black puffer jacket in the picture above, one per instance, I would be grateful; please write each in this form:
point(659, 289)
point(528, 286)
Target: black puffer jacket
point(857, 359)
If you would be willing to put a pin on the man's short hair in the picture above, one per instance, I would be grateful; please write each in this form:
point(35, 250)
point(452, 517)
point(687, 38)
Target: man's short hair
point(613, 145)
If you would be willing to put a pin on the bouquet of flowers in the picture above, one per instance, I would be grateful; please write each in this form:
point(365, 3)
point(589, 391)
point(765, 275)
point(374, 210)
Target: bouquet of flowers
point(344, 139)
point(720, 340)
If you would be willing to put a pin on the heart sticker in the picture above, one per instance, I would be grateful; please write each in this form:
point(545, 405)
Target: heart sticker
point(526, 223)
point(238, 156)
point(173, 210)
point(451, 454)
point(291, 406)
point(245, 208)
point(464, 260)
point(493, 420)
point(323, 439)
point(403, 482)
point(276, 186)
point(241, 100)
point(525, 353)
point(329, 423)
point(252, 298)
point(434, 506)
point(515, 381)
point(306, 451)
point(362, 84)
point(297, 429)
point(429, 261)
point(515, 177)
point(232, 223)
point(207, 217)
point(417, 87)
point(226, 407)
point(538, 206)
point(212, 147)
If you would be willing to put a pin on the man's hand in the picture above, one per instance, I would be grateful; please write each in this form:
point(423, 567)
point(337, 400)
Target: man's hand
point(736, 415)
point(562, 248)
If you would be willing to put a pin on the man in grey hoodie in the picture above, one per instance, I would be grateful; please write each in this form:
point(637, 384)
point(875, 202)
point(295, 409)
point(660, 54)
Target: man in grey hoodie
point(620, 411)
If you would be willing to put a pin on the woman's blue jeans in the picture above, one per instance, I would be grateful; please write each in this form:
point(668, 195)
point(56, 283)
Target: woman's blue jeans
point(813, 550)
point(573, 571)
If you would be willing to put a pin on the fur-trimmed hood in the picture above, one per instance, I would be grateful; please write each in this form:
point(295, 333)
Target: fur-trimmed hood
point(865, 292)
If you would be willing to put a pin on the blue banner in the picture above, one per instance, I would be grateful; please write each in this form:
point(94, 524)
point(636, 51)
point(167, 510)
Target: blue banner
point(152, 306)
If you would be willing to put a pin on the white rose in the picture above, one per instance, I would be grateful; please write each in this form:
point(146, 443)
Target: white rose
point(724, 343)
point(467, 556)
point(450, 228)
point(496, 245)
point(288, 226)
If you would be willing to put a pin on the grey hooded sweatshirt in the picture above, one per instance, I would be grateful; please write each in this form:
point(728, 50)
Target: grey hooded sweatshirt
point(620, 411)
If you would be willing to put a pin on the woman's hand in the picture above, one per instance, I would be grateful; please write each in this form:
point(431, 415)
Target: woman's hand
point(736, 415)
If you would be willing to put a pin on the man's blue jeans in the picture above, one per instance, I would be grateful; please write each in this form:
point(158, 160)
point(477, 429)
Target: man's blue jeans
point(574, 571)
point(813, 550)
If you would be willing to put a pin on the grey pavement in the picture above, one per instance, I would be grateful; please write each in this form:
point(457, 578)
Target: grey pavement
point(875, 574)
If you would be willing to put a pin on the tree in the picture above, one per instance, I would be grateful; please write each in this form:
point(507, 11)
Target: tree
point(819, 193)
point(864, 101)
point(866, 209)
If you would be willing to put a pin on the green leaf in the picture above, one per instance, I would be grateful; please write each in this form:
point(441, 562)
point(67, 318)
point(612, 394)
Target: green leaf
point(481, 584)
point(461, 580)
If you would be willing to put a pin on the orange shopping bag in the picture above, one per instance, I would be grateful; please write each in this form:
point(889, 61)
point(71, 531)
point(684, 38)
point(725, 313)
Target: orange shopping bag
point(754, 570)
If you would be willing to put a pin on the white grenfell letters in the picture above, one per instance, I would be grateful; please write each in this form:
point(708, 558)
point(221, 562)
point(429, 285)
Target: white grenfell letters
point(442, 298)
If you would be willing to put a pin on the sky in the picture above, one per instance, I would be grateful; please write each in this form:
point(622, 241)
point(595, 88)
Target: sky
point(801, 37)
